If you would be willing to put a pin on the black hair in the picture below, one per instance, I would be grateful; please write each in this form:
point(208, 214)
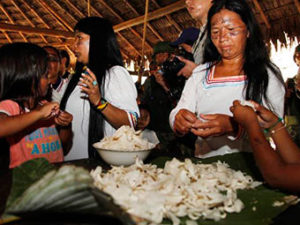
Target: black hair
point(104, 49)
point(65, 54)
point(256, 54)
point(104, 53)
point(54, 49)
point(21, 67)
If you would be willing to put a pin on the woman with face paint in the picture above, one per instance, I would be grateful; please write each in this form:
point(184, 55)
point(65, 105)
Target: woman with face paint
point(101, 94)
point(237, 66)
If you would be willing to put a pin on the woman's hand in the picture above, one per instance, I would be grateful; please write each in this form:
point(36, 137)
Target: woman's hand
point(184, 121)
point(244, 115)
point(47, 109)
point(63, 118)
point(214, 125)
point(89, 85)
point(187, 70)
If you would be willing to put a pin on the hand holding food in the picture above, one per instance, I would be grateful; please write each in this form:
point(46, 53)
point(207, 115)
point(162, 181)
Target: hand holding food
point(184, 121)
point(63, 118)
point(48, 109)
point(243, 114)
point(213, 125)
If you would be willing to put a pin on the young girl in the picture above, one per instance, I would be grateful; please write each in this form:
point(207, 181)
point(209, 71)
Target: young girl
point(27, 122)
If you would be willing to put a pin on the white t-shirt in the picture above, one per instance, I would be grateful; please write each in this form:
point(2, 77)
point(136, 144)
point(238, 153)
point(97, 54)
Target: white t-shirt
point(204, 94)
point(59, 91)
point(119, 91)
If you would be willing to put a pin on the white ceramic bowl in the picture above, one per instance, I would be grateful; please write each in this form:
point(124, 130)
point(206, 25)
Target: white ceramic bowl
point(119, 158)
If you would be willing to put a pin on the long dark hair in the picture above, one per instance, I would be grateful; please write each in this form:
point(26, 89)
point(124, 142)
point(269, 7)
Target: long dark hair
point(104, 53)
point(21, 67)
point(256, 54)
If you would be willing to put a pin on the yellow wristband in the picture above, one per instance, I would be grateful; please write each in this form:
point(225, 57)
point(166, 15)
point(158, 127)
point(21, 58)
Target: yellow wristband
point(102, 106)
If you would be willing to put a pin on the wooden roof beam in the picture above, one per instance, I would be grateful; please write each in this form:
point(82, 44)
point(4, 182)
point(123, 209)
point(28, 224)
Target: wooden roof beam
point(297, 5)
point(35, 13)
point(44, 22)
point(99, 14)
point(74, 8)
point(136, 51)
point(58, 33)
point(154, 31)
point(7, 36)
point(257, 5)
point(57, 17)
point(34, 30)
point(61, 21)
point(151, 16)
point(131, 29)
point(27, 19)
point(169, 18)
point(12, 21)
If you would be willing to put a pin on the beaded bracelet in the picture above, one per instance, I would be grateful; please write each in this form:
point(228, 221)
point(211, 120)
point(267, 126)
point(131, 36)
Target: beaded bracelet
point(102, 104)
point(267, 130)
point(274, 131)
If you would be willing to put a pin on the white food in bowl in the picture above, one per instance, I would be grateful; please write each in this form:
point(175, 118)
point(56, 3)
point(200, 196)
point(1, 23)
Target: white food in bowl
point(124, 146)
point(122, 158)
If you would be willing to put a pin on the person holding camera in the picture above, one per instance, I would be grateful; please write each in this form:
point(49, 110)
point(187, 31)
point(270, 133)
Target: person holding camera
point(237, 66)
point(186, 40)
point(198, 10)
point(157, 101)
point(292, 102)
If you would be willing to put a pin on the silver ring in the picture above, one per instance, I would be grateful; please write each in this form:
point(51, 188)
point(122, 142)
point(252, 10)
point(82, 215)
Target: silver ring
point(94, 83)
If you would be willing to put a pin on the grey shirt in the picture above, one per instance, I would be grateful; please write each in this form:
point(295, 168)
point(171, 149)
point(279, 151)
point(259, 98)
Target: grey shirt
point(198, 46)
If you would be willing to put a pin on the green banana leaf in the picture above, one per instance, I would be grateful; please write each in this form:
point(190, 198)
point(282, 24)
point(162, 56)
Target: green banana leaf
point(259, 209)
point(25, 175)
point(31, 171)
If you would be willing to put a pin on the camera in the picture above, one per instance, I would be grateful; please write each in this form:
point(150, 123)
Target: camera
point(169, 70)
point(290, 83)
point(174, 65)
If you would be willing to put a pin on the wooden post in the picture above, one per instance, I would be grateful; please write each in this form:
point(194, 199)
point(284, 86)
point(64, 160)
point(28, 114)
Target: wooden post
point(142, 67)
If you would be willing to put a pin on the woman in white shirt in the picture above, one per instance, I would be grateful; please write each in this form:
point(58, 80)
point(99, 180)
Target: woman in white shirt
point(237, 66)
point(101, 94)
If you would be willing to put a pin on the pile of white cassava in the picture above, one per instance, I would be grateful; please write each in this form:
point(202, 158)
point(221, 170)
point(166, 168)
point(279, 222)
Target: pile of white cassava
point(179, 189)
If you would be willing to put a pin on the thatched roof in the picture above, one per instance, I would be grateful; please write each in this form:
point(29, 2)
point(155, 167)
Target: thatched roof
point(51, 22)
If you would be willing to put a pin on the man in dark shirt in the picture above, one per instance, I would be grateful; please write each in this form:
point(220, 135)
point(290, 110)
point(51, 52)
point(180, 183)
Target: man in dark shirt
point(157, 103)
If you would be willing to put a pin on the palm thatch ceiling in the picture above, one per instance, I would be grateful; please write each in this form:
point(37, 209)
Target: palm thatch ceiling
point(51, 22)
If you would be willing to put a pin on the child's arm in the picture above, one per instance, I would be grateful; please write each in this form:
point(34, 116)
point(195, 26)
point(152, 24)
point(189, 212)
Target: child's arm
point(64, 122)
point(13, 124)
